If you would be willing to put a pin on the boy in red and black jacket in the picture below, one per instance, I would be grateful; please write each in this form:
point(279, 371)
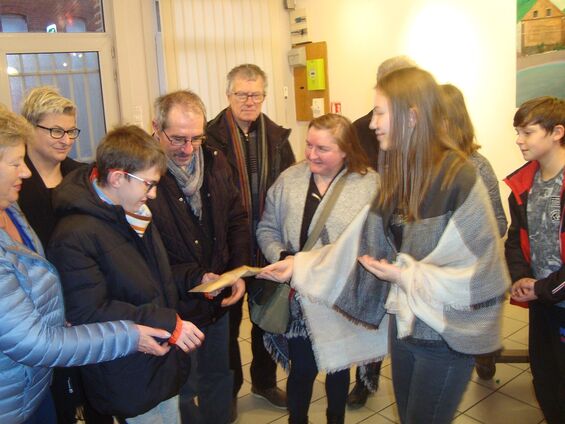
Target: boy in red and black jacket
point(535, 248)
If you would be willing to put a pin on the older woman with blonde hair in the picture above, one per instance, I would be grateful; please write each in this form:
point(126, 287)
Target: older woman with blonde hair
point(33, 334)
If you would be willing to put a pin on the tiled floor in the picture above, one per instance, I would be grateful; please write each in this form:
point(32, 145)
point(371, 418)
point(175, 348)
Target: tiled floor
point(507, 398)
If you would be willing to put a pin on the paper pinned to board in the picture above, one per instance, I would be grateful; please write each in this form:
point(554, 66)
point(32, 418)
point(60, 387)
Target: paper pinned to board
point(227, 279)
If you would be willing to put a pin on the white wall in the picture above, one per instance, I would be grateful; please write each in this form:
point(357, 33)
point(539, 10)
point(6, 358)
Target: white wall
point(204, 39)
point(470, 43)
point(134, 28)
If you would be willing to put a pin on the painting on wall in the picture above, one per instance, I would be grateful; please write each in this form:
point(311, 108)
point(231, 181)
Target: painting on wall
point(540, 65)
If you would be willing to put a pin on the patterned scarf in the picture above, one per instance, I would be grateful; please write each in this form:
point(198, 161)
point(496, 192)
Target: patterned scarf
point(263, 161)
point(190, 180)
point(139, 220)
point(243, 175)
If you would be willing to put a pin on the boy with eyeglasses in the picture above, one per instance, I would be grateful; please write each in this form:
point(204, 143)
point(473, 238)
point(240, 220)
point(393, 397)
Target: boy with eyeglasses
point(113, 265)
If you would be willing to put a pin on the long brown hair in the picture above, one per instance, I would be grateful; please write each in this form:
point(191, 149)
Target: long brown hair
point(419, 143)
point(345, 136)
point(457, 120)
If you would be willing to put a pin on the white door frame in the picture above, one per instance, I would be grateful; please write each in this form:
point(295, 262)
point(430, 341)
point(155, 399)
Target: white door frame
point(18, 43)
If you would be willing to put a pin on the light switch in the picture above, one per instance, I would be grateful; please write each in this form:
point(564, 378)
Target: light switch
point(318, 107)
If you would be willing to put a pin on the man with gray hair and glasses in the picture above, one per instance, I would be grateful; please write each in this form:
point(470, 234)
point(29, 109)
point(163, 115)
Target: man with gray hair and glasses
point(204, 228)
point(258, 150)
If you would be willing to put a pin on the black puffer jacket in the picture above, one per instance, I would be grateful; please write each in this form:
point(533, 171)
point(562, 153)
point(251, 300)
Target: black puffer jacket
point(109, 273)
point(230, 242)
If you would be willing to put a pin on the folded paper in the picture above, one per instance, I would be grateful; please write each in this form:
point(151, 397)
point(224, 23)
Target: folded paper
point(227, 279)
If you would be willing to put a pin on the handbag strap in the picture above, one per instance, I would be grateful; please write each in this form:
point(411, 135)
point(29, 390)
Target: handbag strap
point(317, 230)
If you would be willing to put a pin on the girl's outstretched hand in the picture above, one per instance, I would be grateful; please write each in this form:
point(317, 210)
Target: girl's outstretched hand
point(381, 268)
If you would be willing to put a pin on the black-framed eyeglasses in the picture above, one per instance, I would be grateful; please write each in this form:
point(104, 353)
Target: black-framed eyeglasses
point(196, 141)
point(242, 96)
point(58, 133)
point(148, 184)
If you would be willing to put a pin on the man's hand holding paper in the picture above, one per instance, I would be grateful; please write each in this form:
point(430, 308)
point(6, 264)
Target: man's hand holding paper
point(227, 279)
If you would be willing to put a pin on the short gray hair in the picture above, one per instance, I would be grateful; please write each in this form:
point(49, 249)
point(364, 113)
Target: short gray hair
point(186, 99)
point(394, 64)
point(247, 71)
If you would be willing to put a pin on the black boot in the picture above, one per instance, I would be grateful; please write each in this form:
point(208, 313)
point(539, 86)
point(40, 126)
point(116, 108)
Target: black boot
point(358, 396)
point(335, 418)
point(297, 420)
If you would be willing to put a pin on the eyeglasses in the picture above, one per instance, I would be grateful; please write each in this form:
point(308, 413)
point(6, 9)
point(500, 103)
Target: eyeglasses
point(58, 133)
point(242, 97)
point(181, 141)
point(148, 184)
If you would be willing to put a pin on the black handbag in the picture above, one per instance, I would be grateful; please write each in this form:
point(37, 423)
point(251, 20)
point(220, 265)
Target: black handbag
point(269, 308)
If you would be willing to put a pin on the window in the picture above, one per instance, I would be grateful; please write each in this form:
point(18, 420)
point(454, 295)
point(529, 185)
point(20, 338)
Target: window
point(547, 12)
point(535, 13)
point(76, 58)
point(13, 23)
point(52, 16)
point(76, 25)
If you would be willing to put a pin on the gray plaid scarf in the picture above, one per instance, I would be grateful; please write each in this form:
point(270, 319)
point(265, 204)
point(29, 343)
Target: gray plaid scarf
point(190, 180)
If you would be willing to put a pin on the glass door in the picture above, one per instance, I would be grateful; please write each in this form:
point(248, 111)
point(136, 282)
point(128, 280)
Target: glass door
point(65, 46)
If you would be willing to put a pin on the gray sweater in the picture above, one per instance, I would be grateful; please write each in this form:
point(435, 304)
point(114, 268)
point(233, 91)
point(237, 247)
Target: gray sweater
point(484, 168)
point(279, 229)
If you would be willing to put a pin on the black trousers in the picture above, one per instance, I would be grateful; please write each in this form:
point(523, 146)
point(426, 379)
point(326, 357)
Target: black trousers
point(263, 368)
point(547, 359)
point(300, 383)
point(68, 394)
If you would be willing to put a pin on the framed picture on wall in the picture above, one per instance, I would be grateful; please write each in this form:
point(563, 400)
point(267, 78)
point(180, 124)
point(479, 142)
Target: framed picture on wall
point(540, 33)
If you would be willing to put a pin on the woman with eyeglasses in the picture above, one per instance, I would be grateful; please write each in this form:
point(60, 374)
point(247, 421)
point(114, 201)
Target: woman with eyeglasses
point(54, 121)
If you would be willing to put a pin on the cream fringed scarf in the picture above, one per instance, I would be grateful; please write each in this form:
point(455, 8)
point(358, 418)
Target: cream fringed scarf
point(321, 276)
point(457, 289)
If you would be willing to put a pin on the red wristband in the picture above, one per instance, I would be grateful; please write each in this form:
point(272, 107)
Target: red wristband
point(176, 332)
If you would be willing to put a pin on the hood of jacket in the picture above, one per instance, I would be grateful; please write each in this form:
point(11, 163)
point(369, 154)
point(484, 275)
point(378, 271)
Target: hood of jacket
point(76, 195)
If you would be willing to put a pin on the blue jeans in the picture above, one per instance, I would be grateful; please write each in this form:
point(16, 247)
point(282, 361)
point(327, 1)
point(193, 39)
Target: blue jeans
point(45, 412)
point(210, 378)
point(167, 412)
point(429, 380)
point(300, 383)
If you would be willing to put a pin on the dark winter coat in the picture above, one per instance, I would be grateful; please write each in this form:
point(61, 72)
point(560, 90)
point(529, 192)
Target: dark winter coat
point(280, 153)
point(108, 272)
point(550, 289)
point(230, 240)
